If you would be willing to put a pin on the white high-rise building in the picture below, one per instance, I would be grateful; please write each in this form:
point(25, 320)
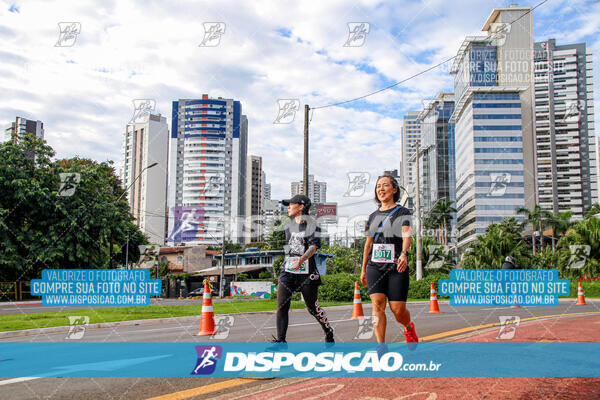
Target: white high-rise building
point(567, 155)
point(317, 191)
point(144, 144)
point(266, 188)
point(411, 138)
point(207, 171)
point(493, 116)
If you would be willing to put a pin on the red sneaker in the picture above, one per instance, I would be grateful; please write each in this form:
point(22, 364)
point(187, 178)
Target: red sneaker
point(411, 334)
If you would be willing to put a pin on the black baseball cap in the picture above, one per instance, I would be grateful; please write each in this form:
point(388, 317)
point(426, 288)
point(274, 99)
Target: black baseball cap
point(298, 199)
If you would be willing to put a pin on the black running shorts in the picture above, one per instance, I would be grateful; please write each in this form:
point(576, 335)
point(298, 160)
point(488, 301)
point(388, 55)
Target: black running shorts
point(390, 282)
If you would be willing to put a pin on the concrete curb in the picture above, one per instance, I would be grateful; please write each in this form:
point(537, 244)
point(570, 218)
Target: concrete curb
point(137, 322)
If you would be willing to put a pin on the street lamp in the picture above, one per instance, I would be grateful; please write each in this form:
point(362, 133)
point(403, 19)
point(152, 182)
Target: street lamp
point(120, 197)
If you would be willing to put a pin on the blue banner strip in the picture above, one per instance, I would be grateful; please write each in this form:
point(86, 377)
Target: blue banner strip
point(219, 359)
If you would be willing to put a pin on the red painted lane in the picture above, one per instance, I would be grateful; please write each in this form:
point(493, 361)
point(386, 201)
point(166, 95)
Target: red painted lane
point(565, 329)
point(573, 329)
point(436, 389)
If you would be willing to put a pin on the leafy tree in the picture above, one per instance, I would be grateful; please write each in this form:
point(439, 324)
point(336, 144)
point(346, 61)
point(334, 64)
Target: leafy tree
point(585, 233)
point(345, 259)
point(260, 245)
point(490, 249)
point(43, 226)
point(427, 257)
point(591, 211)
point(276, 239)
point(551, 259)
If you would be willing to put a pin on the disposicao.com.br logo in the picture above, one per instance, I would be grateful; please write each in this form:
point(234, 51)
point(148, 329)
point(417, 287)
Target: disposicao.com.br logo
point(307, 363)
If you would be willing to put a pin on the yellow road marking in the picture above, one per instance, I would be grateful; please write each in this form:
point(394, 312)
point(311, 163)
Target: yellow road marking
point(186, 394)
point(478, 327)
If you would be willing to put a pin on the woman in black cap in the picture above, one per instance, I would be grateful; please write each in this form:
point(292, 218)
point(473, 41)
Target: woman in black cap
point(385, 259)
point(299, 271)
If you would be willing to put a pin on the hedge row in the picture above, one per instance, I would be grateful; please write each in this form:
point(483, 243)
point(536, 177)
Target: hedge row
point(590, 289)
point(340, 287)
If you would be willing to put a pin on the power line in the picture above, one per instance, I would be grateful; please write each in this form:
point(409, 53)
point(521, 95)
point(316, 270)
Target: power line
point(415, 75)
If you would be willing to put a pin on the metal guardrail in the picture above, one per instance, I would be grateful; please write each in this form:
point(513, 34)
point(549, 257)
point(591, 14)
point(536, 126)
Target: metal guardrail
point(13, 291)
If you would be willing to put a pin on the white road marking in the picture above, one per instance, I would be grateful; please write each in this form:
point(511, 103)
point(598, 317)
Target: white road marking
point(17, 380)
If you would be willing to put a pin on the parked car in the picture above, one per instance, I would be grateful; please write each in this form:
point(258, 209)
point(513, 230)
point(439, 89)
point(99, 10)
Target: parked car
point(200, 291)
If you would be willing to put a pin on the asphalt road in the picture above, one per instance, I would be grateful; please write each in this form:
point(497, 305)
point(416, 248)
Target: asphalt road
point(256, 327)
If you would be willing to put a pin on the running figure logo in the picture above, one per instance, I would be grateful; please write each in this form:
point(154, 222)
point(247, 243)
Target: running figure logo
point(365, 329)
point(142, 108)
point(572, 111)
point(68, 33)
point(77, 325)
point(499, 184)
point(207, 359)
point(498, 33)
point(508, 327)
point(212, 34)
point(357, 183)
point(287, 111)
point(579, 255)
point(68, 183)
point(357, 34)
point(223, 324)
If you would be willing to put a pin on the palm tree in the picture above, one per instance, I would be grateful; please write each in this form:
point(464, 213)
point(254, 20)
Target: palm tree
point(511, 225)
point(439, 217)
point(533, 217)
point(591, 211)
point(490, 249)
point(587, 233)
point(560, 224)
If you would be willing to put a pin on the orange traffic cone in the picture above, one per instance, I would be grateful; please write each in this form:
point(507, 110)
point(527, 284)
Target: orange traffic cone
point(357, 310)
point(433, 304)
point(580, 296)
point(207, 320)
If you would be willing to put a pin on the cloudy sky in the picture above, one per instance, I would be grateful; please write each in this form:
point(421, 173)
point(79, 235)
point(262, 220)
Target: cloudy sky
point(270, 50)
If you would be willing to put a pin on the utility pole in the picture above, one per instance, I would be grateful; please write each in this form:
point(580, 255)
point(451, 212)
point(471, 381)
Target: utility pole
point(418, 211)
point(305, 169)
point(127, 252)
point(221, 288)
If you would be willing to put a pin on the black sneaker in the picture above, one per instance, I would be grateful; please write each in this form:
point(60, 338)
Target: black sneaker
point(329, 337)
point(277, 345)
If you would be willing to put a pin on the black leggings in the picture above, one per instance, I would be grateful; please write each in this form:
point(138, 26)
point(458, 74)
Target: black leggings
point(284, 298)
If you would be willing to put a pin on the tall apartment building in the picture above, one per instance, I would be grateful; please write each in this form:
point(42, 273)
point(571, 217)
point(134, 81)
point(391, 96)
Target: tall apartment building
point(411, 136)
point(266, 188)
point(21, 126)
point(598, 166)
point(207, 171)
point(254, 199)
point(437, 160)
point(493, 116)
point(564, 122)
point(272, 210)
point(144, 144)
point(317, 191)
